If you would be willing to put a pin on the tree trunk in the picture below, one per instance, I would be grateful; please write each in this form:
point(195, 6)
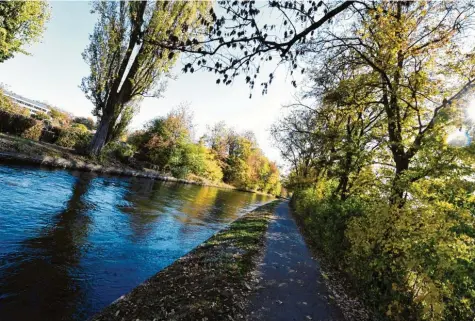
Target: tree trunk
point(99, 140)
point(399, 184)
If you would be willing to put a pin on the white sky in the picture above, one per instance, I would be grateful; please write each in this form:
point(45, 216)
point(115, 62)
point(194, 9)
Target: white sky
point(54, 71)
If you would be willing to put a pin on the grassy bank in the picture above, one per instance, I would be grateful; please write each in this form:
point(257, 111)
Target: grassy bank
point(210, 283)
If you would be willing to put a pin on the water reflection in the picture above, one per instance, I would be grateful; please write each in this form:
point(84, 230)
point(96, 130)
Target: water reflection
point(74, 242)
point(42, 278)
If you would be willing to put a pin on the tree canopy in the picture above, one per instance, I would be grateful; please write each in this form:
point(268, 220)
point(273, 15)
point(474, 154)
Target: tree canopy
point(21, 23)
point(124, 65)
point(386, 195)
point(242, 36)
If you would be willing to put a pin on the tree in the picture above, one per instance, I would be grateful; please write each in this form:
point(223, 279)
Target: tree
point(124, 65)
point(248, 34)
point(21, 23)
point(417, 76)
point(390, 201)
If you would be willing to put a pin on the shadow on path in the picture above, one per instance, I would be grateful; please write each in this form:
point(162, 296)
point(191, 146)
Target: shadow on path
point(291, 286)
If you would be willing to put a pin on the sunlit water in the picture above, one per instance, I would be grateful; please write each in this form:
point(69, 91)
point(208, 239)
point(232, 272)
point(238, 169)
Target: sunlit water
point(71, 242)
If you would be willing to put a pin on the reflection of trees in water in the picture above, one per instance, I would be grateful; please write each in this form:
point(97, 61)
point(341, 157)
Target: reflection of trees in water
point(197, 206)
point(211, 205)
point(39, 277)
point(147, 201)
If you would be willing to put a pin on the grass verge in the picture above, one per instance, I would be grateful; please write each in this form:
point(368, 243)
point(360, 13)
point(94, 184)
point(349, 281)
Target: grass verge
point(210, 283)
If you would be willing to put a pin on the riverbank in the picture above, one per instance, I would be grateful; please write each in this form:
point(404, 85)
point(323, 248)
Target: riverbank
point(212, 282)
point(24, 151)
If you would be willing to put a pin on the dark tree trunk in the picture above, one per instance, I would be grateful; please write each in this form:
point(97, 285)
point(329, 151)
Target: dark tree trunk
point(399, 183)
point(100, 137)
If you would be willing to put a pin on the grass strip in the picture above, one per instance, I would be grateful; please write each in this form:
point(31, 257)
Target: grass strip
point(212, 282)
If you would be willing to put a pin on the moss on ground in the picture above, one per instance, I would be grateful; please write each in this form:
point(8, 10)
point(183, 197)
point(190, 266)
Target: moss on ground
point(212, 282)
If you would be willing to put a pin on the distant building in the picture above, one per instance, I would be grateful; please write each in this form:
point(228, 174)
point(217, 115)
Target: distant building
point(33, 106)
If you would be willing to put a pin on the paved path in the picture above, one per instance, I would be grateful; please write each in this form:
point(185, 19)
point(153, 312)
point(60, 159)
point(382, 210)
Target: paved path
point(292, 286)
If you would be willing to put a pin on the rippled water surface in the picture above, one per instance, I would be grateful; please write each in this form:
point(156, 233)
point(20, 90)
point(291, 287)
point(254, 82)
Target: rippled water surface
point(71, 242)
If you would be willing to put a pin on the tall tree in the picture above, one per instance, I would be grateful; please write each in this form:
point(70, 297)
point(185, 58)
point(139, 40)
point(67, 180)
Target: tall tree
point(124, 65)
point(413, 57)
point(21, 23)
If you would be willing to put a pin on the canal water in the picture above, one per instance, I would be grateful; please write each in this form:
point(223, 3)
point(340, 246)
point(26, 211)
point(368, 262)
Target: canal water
point(73, 242)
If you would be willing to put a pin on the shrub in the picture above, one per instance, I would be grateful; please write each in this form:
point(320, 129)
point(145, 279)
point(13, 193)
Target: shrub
point(34, 132)
point(80, 127)
point(410, 263)
point(74, 138)
point(88, 122)
point(14, 123)
point(60, 118)
point(40, 116)
point(119, 150)
point(327, 218)
point(50, 134)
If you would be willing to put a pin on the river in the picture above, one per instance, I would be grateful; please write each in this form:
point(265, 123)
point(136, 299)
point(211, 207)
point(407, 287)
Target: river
point(73, 242)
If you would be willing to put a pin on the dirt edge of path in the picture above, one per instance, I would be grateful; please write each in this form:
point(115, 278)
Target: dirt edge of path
point(212, 282)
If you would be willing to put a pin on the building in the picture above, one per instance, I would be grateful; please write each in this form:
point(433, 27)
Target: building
point(33, 106)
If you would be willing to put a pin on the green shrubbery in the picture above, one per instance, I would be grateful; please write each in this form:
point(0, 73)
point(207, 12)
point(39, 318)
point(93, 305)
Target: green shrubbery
point(74, 137)
point(118, 150)
point(34, 132)
point(412, 263)
point(15, 123)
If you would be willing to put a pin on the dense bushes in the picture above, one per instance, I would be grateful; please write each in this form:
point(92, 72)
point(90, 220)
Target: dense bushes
point(413, 263)
point(118, 150)
point(15, 123)
point(34, 132)
point(74, 137)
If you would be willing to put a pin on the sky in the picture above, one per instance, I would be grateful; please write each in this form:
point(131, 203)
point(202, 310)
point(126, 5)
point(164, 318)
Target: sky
point(53, 73)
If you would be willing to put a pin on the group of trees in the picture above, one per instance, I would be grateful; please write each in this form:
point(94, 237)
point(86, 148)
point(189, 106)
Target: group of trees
point(242, 162)
point(375, 179)
point(220, 155)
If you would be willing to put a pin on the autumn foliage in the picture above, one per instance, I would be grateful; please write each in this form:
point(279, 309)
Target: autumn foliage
point(378, 185)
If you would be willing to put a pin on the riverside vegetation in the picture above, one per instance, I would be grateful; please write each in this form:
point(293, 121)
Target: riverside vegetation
point(378, 143)
point(165, 144)
point(382, 170)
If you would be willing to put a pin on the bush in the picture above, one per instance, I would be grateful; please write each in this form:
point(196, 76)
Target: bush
point(50, 134)
point(412, 263)
point(74, 138)
point(40, 116)
point(88, 122)
point(118, 150)
point(327, 218)
point(80, 127)
point(34, 132)
point(14, 123)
